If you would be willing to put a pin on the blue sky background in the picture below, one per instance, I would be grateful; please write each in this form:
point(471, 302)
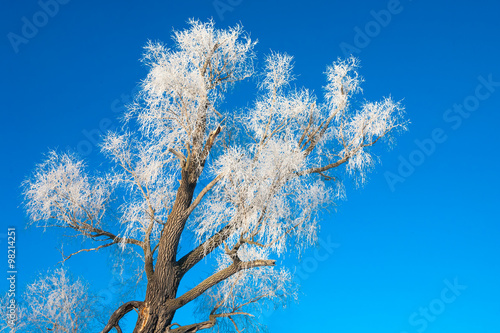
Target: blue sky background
point(399, 240)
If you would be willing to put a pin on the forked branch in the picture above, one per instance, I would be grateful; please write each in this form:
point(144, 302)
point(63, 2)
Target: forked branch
point(119, 313)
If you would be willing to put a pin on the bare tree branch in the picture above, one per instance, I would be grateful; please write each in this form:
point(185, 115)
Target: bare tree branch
point(119, 313)
point(218, 277)
point(193, 257)
point(324, 168)
point(203, 192)
point(86, 250)
point(205, 324)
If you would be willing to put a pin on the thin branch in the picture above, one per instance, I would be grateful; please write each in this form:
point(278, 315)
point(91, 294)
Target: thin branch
point(193, 257)
point(324, 168)
point(209, 143)
point(204, 324)
point(254, 300)
point(96, 232)
point(86, 250)
point(207, 61)
point(202, 194)
point(306, 130)
point(318, 134)
point(235, 326)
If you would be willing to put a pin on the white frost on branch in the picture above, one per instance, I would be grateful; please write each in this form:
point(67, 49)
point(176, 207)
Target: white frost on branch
point(181, 92)
point(277, 72)
point(343, 82)
point(248, 294)
point(259, 198)
point(147, 185)
point(60, 191)
point(55, 302)
point(373, 121)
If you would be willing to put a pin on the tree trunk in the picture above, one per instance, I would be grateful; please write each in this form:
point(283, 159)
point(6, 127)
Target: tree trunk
point(154, 315)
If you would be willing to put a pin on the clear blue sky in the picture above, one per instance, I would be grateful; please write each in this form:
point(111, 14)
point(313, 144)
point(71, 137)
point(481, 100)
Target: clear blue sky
point(400, 237)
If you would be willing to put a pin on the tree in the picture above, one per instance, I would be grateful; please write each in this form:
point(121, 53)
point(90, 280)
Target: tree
point(247, 184)
point(56, 302)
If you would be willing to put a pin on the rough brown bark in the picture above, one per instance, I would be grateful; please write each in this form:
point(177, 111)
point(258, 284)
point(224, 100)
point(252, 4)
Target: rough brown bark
point(156, 315)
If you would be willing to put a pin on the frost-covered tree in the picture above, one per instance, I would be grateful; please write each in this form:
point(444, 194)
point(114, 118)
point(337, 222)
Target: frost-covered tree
point(247, 185)
point(55, 302)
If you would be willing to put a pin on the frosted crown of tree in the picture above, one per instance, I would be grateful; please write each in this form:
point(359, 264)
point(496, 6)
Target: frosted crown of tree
point(260, 191)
